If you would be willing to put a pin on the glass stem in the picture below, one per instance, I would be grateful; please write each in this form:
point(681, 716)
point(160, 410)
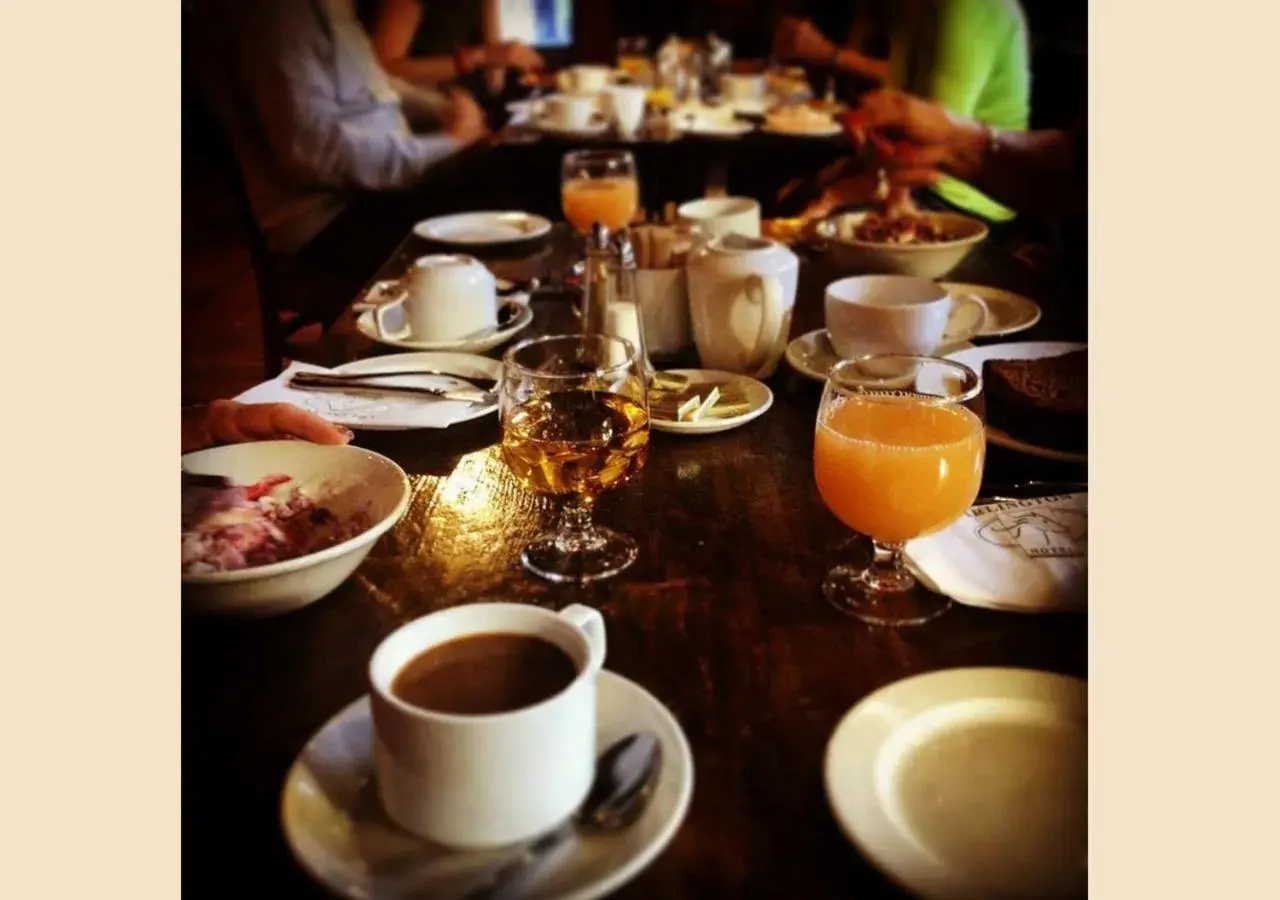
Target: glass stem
point(887, 572)
point(576, 533)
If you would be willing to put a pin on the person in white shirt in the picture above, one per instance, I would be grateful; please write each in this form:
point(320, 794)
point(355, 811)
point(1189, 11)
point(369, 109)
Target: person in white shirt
point(313, 118)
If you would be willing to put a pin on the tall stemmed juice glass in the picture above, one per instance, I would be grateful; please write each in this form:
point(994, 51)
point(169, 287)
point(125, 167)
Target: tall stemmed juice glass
point(575, 423)
point(599, 186)
point(898, 454)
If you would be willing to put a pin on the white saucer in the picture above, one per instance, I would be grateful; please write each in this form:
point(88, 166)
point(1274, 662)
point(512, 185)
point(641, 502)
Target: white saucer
point(464, 364)
point(522, 320)
point(335, 826)
point(702, 128)
point(968, 783)
point(483, 229)
point(748, 107)
point(758, 395)
point(813, 356)
point(831, 131)
point(1007, 312)
point(974, 357)
point(595, 128)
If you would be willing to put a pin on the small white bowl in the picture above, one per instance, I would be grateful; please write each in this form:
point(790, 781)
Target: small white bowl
point(345, 479)
point(920, 260)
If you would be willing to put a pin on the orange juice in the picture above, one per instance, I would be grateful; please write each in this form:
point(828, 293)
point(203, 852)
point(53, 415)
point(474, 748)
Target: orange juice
point(898, 467)
point(611, 201)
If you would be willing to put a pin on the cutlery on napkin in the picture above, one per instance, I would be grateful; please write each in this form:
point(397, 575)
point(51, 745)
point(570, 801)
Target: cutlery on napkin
point(362, 405)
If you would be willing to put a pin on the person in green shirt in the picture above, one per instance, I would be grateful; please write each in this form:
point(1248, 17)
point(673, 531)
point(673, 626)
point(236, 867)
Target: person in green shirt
point(970, 56)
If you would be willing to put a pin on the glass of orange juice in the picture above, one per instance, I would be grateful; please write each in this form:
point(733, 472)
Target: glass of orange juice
point(599, 186)
point(898, 454)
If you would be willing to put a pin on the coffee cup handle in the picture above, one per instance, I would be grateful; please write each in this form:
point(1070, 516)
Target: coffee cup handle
point(961, 300)
point(591, 624)
point(766, 292)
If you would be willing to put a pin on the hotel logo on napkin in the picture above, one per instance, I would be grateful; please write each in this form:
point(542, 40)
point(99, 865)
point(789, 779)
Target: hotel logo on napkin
point(1040, 527)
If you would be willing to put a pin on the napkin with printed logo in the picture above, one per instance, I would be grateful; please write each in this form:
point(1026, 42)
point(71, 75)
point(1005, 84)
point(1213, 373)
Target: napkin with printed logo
point(1017, 555)
point(370, 410)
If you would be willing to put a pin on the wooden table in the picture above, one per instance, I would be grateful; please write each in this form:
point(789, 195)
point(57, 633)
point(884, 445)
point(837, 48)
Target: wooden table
point(721, 618)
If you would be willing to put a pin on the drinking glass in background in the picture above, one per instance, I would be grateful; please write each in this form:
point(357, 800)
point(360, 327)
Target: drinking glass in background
point(898, 454)
point(599, 186)
point(575, 423)
point(633, 59)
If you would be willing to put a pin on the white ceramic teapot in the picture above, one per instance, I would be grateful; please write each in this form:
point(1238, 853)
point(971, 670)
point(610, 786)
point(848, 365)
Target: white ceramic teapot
point(742, 291)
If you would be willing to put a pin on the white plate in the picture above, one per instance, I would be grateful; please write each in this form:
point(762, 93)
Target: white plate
point(483, 229)
point(976, 356)
point(749, 107)
point(335, 826)
point(465, 364)
point(813, 356)
point(703, 128)
point(593, 129)
point(830, 131)
point(365, 325)
point(1008, 313)
point(758, 395)
point(968, 783)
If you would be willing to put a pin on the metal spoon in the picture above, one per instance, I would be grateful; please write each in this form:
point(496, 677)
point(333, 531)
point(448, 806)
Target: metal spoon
point(625, 778)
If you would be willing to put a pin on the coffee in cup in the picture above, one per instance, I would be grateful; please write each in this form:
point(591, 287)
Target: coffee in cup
point(484, 720)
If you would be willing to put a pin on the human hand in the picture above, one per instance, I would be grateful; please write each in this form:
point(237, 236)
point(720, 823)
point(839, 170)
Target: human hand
point(800, 39)
point(465, 121)
point(913, 139)
point(515, 55)
point(229, 422)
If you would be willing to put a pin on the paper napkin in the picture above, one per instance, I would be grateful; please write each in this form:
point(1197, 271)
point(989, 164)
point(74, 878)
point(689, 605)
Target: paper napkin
point(358, 410)
point(1023, 555)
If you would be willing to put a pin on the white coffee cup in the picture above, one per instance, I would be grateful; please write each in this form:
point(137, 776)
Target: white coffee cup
point(898, 314)
point(584, 79)
point(626, 106)
point(742, 292)
point(715, 216)
point(663, 295)
point(570, 112)
point(742, 86)
point(444, 297)
point(487, 780)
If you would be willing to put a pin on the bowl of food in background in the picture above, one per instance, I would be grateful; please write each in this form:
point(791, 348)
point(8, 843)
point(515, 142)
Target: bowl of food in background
point(924, 244)
point(272, 526)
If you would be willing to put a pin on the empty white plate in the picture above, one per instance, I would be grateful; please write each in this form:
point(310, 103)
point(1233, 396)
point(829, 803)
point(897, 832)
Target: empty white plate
point(1007, 312)
point(968, 783)
point(337, 830)
point(480, 229)
point(595, 127)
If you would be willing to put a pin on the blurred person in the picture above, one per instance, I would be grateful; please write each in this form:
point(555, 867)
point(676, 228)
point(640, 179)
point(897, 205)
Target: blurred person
point(427, 42)
point(318, 126)
point(970, 56)
point(228, 422)
point(1044, 172)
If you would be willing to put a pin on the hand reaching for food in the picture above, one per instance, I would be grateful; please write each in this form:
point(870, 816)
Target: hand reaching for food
point(229, 422)
point(912, 139)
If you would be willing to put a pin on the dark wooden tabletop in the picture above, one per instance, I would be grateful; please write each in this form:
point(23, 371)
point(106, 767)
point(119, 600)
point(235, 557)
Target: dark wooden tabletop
point(721, 618)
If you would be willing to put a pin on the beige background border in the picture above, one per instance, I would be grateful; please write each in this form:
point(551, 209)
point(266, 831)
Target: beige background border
point(89, 151)
point(1184, 772)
